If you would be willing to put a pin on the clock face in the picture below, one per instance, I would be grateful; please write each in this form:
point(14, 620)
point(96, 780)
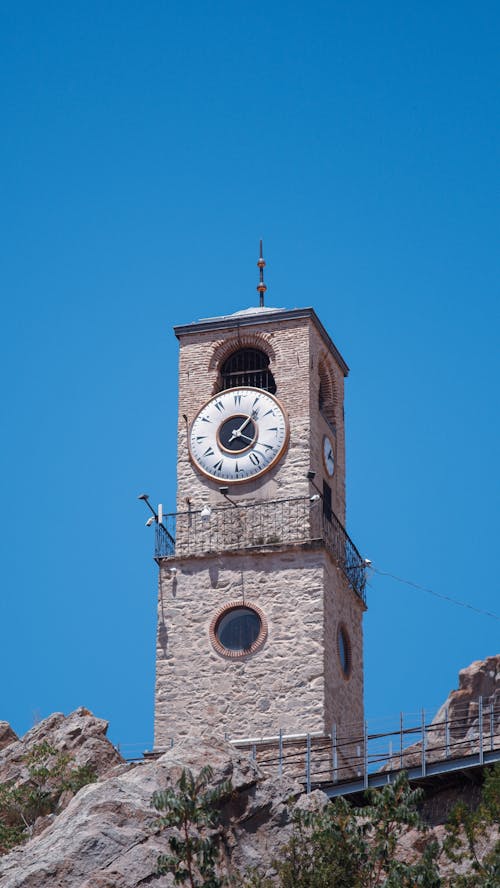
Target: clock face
point(238, 435)
point(328, 457)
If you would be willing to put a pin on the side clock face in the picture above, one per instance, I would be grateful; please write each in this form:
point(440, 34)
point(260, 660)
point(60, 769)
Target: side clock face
point(238, 435)
point(328, 457)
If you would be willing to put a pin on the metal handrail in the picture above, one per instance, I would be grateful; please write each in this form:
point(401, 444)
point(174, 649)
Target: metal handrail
point(342, 764)
point(264, 524)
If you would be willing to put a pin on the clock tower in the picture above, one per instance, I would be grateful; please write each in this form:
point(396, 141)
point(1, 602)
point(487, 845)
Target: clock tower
point(261, 590)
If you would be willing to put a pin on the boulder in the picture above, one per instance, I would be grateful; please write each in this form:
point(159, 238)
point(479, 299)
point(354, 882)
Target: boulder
point(460, 712)
point(81, 735)
point(107, 837)
point(7, 735)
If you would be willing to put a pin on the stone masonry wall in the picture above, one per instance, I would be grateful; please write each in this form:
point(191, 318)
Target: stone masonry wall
point(344, 694)
point(320, 427)
point(282, 685)
point(294, 682)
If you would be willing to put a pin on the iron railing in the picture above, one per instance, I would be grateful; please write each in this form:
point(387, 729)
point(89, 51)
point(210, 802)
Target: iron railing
point(350, 758)
point(264, 524)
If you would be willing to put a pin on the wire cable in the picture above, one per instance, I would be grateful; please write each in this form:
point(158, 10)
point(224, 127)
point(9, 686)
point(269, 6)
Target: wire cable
point(477, 610)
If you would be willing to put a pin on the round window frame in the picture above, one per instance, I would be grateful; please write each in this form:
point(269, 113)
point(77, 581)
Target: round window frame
point(254, 647)
point(342, 630)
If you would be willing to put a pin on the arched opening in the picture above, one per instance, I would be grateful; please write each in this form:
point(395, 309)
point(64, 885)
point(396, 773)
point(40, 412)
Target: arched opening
point(247, 367)
point(326, 396)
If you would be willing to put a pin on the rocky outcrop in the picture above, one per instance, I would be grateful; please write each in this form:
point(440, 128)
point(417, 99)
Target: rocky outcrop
point(106, 837)
point(80, 735)
point(7, 735)
point(480, 680)
point(455, 729)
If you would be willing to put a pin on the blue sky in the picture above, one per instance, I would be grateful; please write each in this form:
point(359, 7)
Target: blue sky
point(146, 147)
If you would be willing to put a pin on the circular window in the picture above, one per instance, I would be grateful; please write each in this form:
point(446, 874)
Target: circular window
point(238, 630)
point(344, 649)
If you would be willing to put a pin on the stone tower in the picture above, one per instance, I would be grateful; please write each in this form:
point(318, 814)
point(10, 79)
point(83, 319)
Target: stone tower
point(261, 591)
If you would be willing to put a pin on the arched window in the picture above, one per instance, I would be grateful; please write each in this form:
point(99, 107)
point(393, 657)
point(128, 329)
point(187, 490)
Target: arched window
point(247, 367)
point(326, 397)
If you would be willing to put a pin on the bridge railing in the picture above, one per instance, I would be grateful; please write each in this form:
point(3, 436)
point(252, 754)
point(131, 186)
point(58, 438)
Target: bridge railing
point(351, 753)
point(264, 524)
point(348, 757)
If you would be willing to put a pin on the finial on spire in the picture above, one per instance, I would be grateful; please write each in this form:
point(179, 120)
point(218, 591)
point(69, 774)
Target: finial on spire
point(261, 287)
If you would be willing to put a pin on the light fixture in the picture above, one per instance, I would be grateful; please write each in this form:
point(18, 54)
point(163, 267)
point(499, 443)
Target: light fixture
point(315, 498)
point(145, 498)
point(205, 513)
point(367, 562)
point(150, 521)
point(171, 572)
point(311, 475)
point(225, 490)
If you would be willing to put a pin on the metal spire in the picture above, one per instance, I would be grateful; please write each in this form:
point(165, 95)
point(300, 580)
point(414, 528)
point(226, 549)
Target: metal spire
point(261, 287)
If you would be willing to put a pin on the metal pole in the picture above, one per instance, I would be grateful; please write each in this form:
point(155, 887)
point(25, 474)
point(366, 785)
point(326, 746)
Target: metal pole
point(280, 765)
point(401, 740)
point(492, 726)
point(334, 753)
point(423, 744)
point(447, 733)
point(481, 753)
point(308, 764)
point(365, 755)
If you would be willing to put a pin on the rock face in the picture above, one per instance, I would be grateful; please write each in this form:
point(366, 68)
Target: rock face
point(106, 837)
point(455, 730)
point(479, 680)
point(7, 735)
point(81, 735)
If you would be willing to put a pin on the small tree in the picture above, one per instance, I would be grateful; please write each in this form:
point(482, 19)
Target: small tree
point(467, 829)
point(390, 813)
point(50, 773)
point(344, 847)
point(192, 809)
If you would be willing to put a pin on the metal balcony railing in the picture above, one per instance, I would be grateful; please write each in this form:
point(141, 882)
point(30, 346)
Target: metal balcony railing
point(260, 525)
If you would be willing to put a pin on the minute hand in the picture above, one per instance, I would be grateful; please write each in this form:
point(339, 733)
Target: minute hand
point(237, 432)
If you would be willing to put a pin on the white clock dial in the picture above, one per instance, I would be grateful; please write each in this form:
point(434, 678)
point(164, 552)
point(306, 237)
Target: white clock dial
point(328, 457)
point(238, 435)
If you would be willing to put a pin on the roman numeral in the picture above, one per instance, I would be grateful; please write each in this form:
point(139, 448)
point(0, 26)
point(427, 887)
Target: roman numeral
point(201, 437)
point(205, 419)
point(218, 465)
point(267, 446)
point(257, 399)
point(219, 405)
point(269, 412)
point(237, 399)
point(208, 452)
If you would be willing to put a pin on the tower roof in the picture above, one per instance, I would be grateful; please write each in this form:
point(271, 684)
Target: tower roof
point(261, 316)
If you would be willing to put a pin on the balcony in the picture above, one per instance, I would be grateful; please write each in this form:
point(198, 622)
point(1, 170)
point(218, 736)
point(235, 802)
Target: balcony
point(261, 525)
